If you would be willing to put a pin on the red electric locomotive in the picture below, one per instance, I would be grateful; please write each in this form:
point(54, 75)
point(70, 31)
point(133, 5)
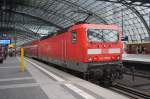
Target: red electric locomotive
point(92, 49)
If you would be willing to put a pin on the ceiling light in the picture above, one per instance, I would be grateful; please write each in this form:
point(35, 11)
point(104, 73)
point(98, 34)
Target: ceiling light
point(128, 1)
point(137, 3)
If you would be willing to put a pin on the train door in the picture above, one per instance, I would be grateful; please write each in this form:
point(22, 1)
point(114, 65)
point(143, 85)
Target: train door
point(73, 52)
point(36, 55)
point(64, 49)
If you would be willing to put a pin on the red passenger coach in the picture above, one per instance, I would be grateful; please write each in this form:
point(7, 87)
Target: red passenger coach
point(93, 49)
point(31, 49)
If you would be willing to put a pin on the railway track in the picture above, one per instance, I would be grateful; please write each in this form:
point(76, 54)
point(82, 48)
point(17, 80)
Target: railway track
point(139, 75)
point(130, 92)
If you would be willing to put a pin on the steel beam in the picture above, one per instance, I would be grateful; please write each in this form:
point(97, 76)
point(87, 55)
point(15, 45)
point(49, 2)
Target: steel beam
point(34, 17)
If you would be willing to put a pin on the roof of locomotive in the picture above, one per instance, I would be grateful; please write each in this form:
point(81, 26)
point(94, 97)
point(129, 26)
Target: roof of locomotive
point(83, 25)
point(95, 26)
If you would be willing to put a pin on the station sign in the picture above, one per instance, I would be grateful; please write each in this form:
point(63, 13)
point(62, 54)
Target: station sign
point(5, 41)
point(124, 38)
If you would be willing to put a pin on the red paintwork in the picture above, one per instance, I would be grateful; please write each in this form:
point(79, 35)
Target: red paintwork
point(60, 46)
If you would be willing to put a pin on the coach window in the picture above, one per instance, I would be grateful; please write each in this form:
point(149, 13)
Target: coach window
point(74, 37)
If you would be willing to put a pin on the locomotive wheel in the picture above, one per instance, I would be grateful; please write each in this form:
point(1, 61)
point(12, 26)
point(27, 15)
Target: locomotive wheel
point(86, 76)
point(107, 78)
point(121, 76)
point(107, 83)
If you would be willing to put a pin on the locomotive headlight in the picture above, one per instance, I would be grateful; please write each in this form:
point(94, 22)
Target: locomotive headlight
point(95, 58)
point(118, 57)
point(90, 59)
point(112, 57)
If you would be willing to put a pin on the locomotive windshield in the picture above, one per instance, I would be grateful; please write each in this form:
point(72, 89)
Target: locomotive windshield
point(102, 35)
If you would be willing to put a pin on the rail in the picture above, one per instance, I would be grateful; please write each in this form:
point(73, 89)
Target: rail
point(130, 92)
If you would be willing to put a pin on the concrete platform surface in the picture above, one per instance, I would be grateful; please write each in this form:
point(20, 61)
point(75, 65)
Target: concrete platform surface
point(18, 85)
point(137, 58)
point(40, 81)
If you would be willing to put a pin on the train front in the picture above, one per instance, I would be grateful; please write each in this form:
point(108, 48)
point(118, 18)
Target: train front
point(104, 52)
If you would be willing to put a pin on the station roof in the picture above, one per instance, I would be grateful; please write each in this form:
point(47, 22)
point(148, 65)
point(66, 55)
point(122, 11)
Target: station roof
point(32, 19)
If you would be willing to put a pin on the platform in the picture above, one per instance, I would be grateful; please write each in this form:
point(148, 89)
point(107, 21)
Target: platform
point(138, 58)
point(40, 81)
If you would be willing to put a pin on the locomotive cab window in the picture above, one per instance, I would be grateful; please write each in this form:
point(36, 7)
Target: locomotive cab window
point(74, 37)
point(101, 35)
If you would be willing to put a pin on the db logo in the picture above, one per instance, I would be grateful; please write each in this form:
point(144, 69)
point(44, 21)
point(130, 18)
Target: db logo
point(104, 51)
